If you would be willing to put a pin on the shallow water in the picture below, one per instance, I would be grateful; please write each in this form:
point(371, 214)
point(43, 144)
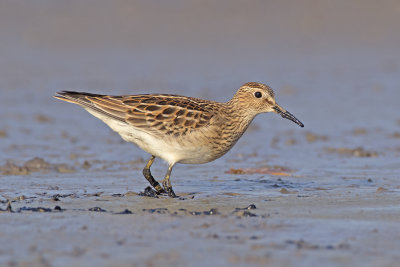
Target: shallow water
point(335, 200)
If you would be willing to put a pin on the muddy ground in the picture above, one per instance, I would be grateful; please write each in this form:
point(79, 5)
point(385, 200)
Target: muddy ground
point(70, 191)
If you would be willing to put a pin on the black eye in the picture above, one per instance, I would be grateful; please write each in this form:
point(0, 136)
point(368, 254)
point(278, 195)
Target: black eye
point(258, 94)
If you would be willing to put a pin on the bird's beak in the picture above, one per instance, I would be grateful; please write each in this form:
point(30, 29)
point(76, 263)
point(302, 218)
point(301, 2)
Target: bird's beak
point(287, 115)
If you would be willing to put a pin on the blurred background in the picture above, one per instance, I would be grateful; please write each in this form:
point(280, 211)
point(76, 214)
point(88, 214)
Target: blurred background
point(333, 64)
point(332, 195)
point(175, 45)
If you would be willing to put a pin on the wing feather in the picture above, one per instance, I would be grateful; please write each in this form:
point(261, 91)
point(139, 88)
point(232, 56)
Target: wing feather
point(159, 115)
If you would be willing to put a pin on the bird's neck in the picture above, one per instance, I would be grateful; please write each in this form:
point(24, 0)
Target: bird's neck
point(240, 110)
point(238, 117)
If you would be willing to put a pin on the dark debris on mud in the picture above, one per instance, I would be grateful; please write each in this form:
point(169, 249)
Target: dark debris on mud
point(56, 197)
point(301, 244)
point(249, 207)
point(32, 209)
point(238, 212)
point(148, 192)
point(126, 211)
point(97, 209)
point(245, 212)
point(8, 208)
point(182, 211)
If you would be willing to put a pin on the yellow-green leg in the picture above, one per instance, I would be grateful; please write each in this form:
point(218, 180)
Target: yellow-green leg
point(150, 178)
point(167, 183)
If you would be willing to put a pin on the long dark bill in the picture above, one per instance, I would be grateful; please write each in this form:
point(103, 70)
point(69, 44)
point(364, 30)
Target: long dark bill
point(287, 115)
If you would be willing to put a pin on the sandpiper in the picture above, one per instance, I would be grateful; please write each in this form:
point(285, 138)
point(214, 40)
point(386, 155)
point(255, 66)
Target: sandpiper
point(180, 129)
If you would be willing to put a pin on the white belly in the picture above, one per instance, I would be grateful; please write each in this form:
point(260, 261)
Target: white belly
point(168, 148)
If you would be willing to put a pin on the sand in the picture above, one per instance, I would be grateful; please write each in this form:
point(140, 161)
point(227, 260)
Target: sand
point(283, 196)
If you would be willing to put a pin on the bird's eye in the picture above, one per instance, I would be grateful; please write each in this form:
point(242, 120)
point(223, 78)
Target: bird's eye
point(258, 94)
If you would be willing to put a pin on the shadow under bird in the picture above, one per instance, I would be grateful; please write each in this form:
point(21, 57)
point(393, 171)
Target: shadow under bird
point(180, 129)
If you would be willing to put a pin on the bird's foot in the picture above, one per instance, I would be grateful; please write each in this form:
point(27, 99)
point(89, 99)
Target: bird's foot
point(150, 192)
point(159, 189)
point(171, 192)
point(168, 189)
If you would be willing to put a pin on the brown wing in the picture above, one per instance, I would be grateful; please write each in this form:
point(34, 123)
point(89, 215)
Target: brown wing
point(168, 114)
point(103, 104)
point(156, 114)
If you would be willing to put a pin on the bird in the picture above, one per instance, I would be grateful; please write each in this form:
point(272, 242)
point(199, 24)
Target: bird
point(180, 129)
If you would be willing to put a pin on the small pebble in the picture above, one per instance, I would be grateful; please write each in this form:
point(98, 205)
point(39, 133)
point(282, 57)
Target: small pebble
point(126, 211)
point(149, 192)
point(98, 209)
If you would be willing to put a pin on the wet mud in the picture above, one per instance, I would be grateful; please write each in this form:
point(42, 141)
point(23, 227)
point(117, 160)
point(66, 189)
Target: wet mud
point(72, 192)
point(355, 152)
point(35, 165)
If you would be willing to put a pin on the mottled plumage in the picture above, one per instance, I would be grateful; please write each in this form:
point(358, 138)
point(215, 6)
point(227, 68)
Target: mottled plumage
point(180, 129)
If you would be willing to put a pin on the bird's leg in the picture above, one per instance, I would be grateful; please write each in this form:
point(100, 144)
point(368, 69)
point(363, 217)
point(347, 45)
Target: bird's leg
point(150, 178)
point(167, 183)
